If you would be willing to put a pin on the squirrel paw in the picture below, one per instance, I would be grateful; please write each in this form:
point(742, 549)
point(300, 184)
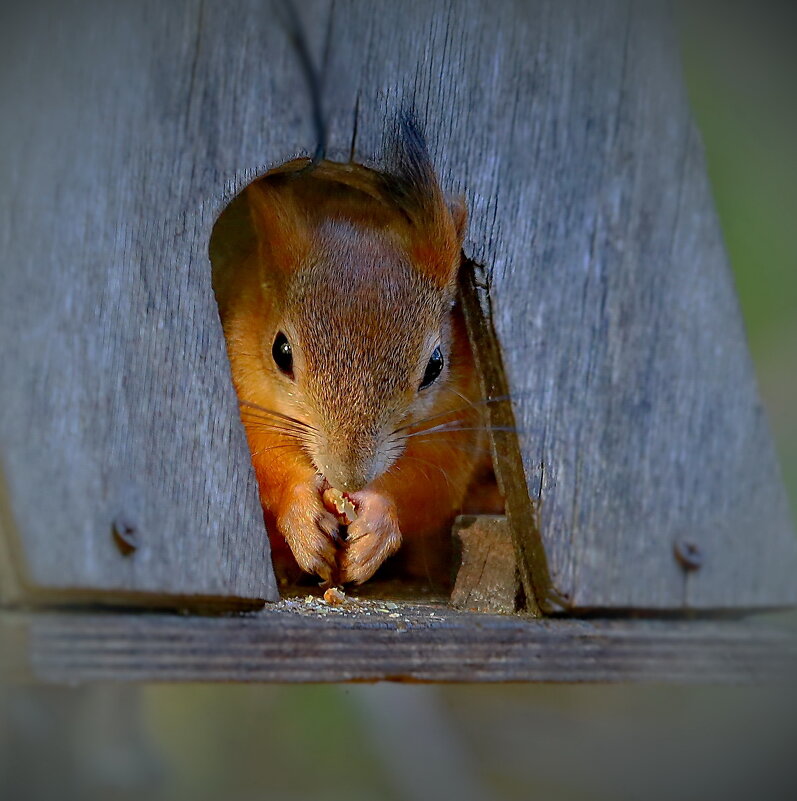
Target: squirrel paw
point(310, 531)
point(372, 537)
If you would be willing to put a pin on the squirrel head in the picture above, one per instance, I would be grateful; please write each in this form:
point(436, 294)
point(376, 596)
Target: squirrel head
point(358, 273)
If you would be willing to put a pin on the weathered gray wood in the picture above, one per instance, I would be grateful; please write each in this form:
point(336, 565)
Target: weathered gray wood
point(296, 642)
point(487, 578)
point(568, 127)
point(127, 126)
point(120, 131)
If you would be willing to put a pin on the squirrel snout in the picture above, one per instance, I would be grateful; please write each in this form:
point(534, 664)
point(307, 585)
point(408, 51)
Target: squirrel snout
point(354, 484)
point(351, 468)
point(343, 477)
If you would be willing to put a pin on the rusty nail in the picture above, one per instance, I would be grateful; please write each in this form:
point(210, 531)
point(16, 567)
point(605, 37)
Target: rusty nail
point(689, 555)
point(124, 535)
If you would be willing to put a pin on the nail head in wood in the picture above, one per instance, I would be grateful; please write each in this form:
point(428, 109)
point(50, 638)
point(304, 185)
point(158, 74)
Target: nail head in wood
point(125, 535)
point(689, 555)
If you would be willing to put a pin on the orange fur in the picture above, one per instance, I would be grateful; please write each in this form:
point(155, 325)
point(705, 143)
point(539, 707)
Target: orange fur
point(361, 279)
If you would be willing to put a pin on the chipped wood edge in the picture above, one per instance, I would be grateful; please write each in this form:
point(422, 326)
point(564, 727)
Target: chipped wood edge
point(520, 510)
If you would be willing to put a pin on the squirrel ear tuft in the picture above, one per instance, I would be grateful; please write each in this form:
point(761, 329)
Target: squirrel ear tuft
point(438, 223)
point(281, 231)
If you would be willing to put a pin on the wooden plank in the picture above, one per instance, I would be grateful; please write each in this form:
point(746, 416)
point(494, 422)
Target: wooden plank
point(296, 641)
point(129, 126)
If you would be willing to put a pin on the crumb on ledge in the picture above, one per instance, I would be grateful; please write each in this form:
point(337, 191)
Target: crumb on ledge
point(334, 596)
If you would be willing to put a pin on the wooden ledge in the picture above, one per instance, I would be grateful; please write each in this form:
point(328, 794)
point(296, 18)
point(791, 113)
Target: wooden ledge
point(298, 641)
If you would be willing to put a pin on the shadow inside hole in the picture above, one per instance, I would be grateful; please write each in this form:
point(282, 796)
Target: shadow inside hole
point(423, 568)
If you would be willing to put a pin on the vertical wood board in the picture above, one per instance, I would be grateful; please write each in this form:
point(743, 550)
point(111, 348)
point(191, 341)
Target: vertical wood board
point(117, 405)
point(567, 125)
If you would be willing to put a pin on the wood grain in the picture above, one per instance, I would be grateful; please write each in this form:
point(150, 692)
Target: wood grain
point(117, 401)
point(128, 126)
point(487, 578)
point(298, 642)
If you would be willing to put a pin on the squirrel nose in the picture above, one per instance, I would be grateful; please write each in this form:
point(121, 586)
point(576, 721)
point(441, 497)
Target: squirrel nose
point(350, 460)
point(348, 471)
point(347, 479)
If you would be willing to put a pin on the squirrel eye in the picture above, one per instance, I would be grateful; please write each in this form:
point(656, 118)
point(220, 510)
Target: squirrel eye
point(282, 353)
point(433, 369)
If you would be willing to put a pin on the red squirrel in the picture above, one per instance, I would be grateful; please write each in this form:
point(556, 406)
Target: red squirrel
point(351, 360)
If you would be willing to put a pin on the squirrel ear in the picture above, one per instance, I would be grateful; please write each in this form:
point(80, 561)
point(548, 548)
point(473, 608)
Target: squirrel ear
point(281, 230)
point(438, 250)
point(459, 214)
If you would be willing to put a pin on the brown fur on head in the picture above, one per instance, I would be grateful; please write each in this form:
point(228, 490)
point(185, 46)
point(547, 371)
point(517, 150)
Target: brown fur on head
point(358, 273)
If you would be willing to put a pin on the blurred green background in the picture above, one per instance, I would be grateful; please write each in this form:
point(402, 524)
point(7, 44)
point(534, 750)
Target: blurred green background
point(240, 743)
point(740, 59)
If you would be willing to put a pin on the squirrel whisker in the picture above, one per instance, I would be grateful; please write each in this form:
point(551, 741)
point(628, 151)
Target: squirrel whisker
point(484, 402)
point(273, 448)
point(275, 425)
point(273, 413)
point(296, 435)
point(431, 464)
point(465, 449)
point(470, 403)
point(445, 428)
point(276, 421)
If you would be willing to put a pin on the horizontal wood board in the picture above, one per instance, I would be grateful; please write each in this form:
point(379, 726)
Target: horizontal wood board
point(566, 124)
point(300, 642)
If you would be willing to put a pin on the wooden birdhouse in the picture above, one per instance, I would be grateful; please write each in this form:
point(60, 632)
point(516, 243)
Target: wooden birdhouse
point(642, 491)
